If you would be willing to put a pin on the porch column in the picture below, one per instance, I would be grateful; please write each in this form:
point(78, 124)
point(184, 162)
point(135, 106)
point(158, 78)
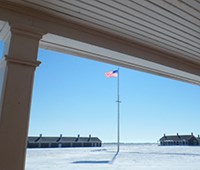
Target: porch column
point(17, 69)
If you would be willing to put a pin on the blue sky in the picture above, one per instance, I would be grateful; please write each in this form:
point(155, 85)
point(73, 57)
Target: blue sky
point(72, 96)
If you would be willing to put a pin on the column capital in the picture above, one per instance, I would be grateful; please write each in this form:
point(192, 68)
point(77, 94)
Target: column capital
point(21, 29)
point(22, 43)
point(27, 31)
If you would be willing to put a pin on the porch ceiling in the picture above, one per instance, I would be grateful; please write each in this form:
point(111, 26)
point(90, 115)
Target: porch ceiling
point(169, 27)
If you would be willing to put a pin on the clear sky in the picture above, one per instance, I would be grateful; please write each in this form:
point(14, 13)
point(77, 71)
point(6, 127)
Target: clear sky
point(72, 96)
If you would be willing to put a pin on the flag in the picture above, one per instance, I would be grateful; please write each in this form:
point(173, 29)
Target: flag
point(112, 74)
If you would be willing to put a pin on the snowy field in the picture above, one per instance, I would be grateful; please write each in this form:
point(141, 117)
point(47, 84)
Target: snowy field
point(130, 157)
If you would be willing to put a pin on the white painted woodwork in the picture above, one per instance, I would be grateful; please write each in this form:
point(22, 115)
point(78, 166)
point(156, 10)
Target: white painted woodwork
point(156, 36)
point(166, 32)
point(17, 74)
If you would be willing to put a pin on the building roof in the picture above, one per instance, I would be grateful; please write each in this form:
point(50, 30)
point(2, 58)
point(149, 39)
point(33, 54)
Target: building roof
point(41, 139)
point(176, 137)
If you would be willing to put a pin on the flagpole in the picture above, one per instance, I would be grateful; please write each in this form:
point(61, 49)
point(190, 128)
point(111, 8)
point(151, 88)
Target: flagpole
point(118, 114)
point(109, 74)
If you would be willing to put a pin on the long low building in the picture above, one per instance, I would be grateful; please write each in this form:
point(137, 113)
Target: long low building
point(177, 139)
point(61, 142)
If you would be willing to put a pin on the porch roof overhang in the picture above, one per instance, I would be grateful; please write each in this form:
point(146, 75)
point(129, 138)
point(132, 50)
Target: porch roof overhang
point(159, 37)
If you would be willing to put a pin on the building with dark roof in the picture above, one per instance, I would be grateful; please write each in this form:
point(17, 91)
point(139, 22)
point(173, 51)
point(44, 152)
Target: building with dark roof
point(177, 139)
point(198, 138)
point(63, 142)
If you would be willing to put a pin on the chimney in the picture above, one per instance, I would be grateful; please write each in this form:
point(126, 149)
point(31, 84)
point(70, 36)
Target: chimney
point(36, 140)
point(165, 136)
point(178, 135)
point(89, 138)
point(77, 139)
point(58, 140)
point(198, 136)
point(192, 133)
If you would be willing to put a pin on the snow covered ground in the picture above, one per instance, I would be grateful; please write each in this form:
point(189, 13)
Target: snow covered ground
point(130, 157)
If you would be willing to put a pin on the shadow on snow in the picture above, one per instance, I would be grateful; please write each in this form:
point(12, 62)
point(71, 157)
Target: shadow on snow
point(98, 162)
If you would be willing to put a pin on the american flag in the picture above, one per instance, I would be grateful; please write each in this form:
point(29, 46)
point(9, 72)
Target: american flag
point(112, 74)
